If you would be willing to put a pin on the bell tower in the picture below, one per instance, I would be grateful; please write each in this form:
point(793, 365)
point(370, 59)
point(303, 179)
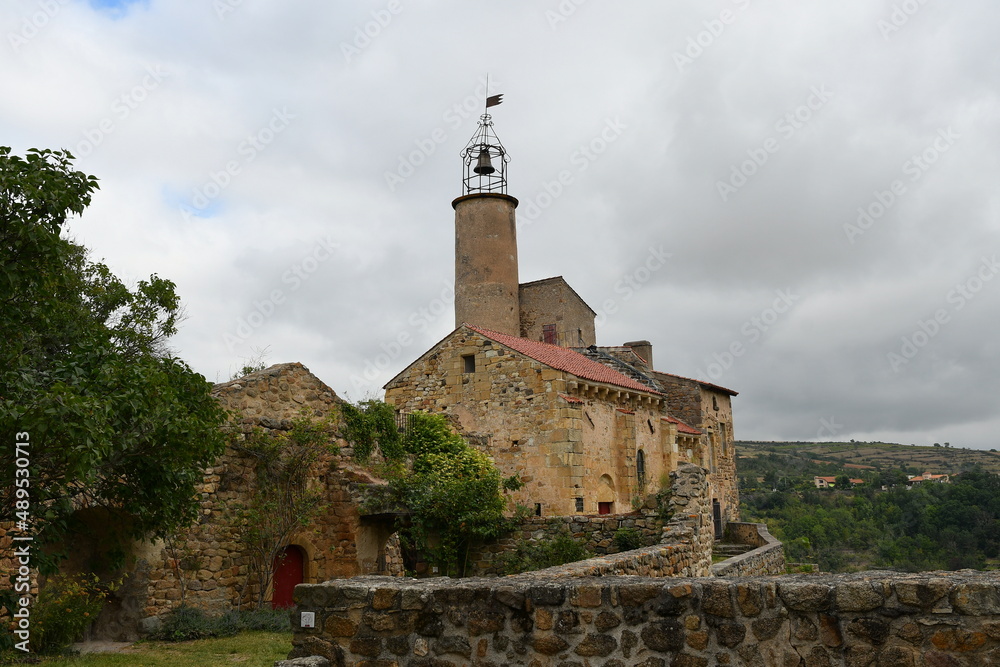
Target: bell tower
point(486, 282)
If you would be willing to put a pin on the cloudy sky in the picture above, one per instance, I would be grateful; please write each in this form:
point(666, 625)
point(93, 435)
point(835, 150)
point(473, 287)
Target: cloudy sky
point(795, 200)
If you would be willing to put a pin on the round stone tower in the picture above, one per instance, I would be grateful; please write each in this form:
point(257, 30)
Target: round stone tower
point(486, 282)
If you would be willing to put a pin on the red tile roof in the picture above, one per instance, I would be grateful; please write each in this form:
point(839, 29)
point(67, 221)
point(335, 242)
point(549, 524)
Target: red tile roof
point(681, 426)
point(564, 359)
point(571, 399)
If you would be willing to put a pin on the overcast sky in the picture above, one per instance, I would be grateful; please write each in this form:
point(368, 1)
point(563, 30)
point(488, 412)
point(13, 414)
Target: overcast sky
point(798, 201)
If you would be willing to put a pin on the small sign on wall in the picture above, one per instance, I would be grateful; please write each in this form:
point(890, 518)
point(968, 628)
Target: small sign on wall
point(307, 619)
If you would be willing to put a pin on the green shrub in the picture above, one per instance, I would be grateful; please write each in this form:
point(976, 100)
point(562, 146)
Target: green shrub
point(627, 539)
point(65, 607)
point(268, 620)
point(528, 556)
point(186, 623)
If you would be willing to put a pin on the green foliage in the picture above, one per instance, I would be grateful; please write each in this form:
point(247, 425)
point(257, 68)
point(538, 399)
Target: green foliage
point(66, 605)
point(280, 501)
point(929, 527)
point(187, 623)
point(527, 556)
point(627, 539)
point(371, 425)
point(452, 492)
point(114, 420)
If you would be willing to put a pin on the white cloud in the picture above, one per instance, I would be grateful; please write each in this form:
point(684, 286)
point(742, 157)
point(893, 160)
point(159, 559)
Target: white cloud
point(324, 174)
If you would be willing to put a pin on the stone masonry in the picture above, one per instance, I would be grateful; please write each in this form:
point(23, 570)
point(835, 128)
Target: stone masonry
point(869, 619)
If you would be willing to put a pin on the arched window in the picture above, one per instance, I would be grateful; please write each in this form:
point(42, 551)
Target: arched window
point(640, 469)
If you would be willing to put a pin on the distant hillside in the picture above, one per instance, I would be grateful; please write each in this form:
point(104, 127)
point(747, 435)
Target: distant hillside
point(857, 458)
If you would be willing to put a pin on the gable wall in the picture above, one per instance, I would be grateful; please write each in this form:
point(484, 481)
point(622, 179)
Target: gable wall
point(512, 408)
point(554, 302)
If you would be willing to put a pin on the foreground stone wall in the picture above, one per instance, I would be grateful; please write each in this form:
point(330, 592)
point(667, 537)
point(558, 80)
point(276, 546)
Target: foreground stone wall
point(879, 619)
point(767, 558)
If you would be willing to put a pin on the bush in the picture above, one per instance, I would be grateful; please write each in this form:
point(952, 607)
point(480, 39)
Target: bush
point(66, 605)
point(627, 539)
point(528, 556)
point(187, 623)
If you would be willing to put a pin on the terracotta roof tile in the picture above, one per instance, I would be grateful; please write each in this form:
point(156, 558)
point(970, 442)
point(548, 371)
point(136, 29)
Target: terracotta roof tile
point(681, 426)
point(564, 359)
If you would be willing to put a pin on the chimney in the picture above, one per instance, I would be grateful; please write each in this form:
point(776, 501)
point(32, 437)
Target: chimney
point(644, 349)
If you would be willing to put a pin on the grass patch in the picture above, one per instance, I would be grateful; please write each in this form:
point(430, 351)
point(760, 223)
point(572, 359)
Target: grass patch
point(248, 649)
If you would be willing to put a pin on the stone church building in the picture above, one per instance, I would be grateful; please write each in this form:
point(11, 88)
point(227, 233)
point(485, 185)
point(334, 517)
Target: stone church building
point(590, 429)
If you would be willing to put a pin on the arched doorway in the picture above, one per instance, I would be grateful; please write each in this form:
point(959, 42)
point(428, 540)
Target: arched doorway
point(289, 571)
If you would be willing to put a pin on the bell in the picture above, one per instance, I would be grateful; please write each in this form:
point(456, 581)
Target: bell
point(483, 165)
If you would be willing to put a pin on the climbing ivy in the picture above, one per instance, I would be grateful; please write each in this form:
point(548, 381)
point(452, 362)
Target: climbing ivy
point(280, 500)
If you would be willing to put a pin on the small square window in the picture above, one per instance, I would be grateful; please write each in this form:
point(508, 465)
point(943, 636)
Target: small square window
point(469, 363)
point(549, 333)
point(579, 504)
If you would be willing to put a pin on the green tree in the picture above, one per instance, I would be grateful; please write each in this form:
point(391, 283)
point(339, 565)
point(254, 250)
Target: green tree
point(453, 494)
point(111, 418)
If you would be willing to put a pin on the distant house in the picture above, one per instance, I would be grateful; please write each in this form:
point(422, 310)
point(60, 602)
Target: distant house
point(928, 477)
point(830, 482)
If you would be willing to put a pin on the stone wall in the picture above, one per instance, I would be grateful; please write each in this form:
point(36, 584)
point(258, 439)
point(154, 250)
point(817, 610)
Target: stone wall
point(553, 301)
point(876, 619)
point(767, 558)
point(683, 545)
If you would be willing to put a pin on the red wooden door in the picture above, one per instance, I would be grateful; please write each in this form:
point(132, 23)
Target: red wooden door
point(289, 571)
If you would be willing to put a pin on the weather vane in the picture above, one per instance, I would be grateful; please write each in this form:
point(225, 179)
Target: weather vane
point(480, 174)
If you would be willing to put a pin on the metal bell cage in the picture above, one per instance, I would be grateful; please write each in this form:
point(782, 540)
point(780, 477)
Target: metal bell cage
point(485, 161)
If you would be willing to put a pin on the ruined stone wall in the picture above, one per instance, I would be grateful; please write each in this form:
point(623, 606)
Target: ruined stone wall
point(876, 619)
point(683, 397)
point(205, 566)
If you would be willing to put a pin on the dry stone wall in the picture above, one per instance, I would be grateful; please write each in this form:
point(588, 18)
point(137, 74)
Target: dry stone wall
point(870, 619)
point(767, 558)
